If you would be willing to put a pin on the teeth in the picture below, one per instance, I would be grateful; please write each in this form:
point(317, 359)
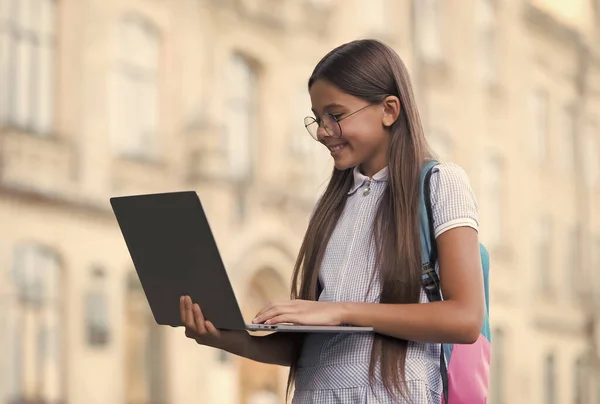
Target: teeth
point(337, 147)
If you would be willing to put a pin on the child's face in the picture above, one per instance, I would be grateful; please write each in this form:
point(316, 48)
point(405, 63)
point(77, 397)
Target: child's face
point(364, 139)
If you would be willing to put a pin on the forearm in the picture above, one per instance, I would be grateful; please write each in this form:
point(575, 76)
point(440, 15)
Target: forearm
point(447, 321)
point(275, 349)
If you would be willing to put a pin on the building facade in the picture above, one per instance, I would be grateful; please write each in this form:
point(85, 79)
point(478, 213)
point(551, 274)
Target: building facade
point(100, 98)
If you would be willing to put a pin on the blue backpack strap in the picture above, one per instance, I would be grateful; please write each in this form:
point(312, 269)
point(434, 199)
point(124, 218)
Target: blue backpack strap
point(430, 279)
point(429, 255)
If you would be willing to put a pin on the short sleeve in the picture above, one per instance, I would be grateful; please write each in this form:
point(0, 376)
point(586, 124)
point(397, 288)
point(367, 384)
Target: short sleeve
point(453, 202)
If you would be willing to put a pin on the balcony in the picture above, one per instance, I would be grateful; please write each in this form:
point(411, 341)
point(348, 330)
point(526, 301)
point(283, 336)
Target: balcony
point(34, 164)
point(33, 401)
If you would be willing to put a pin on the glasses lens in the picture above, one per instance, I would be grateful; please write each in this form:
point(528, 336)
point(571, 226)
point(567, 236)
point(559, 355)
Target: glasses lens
point(329, 123)
point(311, 126)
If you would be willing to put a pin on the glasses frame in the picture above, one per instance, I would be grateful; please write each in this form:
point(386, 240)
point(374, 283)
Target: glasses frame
point(309, 120)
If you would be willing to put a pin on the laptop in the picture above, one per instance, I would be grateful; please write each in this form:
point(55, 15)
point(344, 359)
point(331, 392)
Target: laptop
point(175, 254)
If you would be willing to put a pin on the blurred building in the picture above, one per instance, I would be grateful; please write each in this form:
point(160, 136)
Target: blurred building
point(103, 97)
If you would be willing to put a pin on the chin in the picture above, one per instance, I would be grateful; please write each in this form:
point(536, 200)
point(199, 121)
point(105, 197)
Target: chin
point(343, 165)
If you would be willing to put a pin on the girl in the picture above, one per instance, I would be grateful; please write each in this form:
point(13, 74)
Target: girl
point(360, 260)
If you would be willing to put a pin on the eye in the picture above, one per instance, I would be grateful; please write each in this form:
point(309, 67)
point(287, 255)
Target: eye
point(335, 116)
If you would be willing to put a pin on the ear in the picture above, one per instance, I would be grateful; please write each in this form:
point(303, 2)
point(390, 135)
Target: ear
point(391, 110)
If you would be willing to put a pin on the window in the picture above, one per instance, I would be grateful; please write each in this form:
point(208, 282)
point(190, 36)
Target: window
point(144, 349)
point(265, 285)
point(32, 359)
point(595, 266)
point(597, 253)
point(582, 382)
point(487, 37)
point(314, 163)
point(549, 375)
point(96, 310)
point(498, 370)
point(27, 53)
point(493, 197)
point(241, 113)
point(135, 90)
point(543, 248)
point(539, 104)
point(573, 271)
point(591, 154)
point(301, 141)
point(428, 17)
point(566, 150)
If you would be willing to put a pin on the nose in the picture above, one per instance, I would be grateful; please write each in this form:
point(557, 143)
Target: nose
point(322, 133)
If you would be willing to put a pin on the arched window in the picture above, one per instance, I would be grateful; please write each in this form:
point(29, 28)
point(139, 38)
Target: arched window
point(429, 22)
point(259, 380)
point(549, 381)
point(32, 363)
point(543, 236)
point(487, 40)
point(539, 105)
point(493, 196)
point(590, 152)
point(96, 309)
point(135, 90)
point(566, 139)
point(583, 384)
point(144, 349)
point(27, 55)
point(241, 116)
point(314, 159)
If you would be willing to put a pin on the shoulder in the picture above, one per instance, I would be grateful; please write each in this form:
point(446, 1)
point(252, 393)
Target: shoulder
point(449, 174)
point(453, 201)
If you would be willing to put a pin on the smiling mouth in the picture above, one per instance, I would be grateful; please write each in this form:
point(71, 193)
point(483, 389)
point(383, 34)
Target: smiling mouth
point(337, 147)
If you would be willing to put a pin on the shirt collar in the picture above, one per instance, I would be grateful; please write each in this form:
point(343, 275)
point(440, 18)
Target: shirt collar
point(360, 178)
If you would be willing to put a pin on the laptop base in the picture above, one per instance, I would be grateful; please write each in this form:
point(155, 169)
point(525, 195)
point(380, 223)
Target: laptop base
point(341, 329)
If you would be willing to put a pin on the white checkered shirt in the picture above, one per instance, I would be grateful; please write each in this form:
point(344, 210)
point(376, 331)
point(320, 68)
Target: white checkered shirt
point(334, 368)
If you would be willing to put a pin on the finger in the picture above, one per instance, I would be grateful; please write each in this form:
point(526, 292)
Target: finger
point(182, 309)
point(199, 320)
point(284, 318)
point(189, 315)
point(274, 305)
point(211, 329)
point(188, 320)
point(264, 309)
point(272, 312)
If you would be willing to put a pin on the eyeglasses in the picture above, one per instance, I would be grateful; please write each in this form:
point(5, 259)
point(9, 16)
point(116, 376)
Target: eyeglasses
point(329, 122)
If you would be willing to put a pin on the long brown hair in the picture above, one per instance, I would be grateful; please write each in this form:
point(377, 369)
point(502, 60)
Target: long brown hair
point(372, 71)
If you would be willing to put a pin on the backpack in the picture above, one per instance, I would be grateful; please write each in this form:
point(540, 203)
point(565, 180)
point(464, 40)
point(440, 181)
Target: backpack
point(464, 368)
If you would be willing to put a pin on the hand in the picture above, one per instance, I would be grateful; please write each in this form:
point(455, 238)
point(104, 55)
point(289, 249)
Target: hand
point(203, 331)
point(305, 312)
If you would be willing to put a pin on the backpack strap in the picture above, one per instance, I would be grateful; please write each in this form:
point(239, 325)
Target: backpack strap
point(429, 256)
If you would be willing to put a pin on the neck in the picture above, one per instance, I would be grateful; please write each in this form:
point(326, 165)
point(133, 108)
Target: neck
point(370, 168)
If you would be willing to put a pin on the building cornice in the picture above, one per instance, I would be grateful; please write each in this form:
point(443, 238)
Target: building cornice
point(19, 195)
point(554, 29)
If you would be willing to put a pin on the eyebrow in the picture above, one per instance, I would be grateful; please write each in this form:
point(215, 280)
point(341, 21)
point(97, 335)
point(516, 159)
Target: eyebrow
point(329, 106)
